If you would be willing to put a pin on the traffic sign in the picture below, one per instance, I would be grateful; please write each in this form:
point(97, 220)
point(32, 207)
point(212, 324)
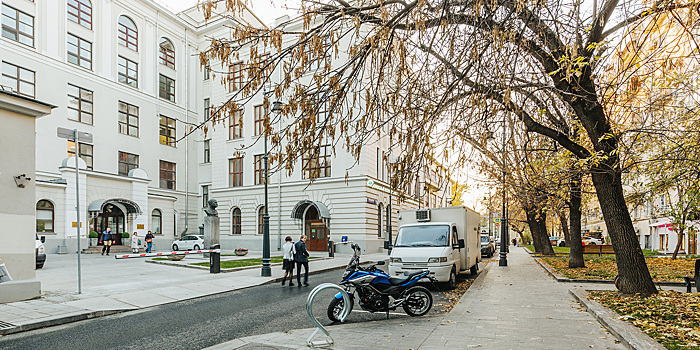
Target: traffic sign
point(70, 135)
point(497, 220)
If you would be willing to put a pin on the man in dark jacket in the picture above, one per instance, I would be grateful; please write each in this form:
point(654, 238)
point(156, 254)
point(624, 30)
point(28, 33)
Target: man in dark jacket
point(301, 256)
point(107, 240)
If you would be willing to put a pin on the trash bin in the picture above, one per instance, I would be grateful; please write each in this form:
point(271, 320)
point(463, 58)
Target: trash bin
point(331, 249)
point(214, 260)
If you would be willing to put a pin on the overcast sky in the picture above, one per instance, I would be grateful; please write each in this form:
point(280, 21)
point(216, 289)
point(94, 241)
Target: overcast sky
point(266, 10)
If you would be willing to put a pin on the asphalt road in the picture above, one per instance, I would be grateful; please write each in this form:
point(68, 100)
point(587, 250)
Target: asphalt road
point(197, 323)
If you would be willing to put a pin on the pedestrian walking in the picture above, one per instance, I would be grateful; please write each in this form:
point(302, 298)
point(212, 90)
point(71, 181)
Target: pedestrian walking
point(301, 257)
point(135, 243)
point(107, 240)
point(288, 260)
point(149, 241)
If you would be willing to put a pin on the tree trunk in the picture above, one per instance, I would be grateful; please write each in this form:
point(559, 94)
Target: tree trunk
point(681, 236)
point(574, 242)
point(538, 229)
point(564, 225)
point(632, 269)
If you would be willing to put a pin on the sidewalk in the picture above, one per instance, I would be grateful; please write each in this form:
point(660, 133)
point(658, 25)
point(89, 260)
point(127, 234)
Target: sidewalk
point(513, 307)
point(110, 286)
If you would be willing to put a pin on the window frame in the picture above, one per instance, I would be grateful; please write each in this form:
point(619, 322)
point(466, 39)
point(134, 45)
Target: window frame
point(322, 162)
point(235, 124)
point(53, 216)
point(259, 166)
point(258, 120)
point(168, 131)
point(80, 103)
point(128, 37)
point(79, 11)
point(124, 78)
point(78, 55)
point(235, 71)
point(207, 151)
point(167, 175)
point(236, 219)
point(127, 163)
point(166, 88)
point(160, 221)
point(82, 154)
point(127, 117)
point(18, 70)
point(261, 219)
point(235, 172)
point(16, 30)
point(205, 196)
point(207, 70)
point(166, 56)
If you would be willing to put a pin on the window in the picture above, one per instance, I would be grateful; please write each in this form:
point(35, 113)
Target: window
point(128, 35)
point(79, 51)
point(205, 196)
point(261, 219)
point(259, 169)
point(266, 65)
point(236, 77)
point(259, 116)
point(166, 88)
point(317, 162)
point(167, 131)
point(19, 79)
point(44, 216)
point(79, 104)
point(127, 162)
point(128, 72)
point(235, 125)
point(156, 221)
point(85, 152)
point(167, 53)
point(80, 11)
point(235, 172)
point(207, 151)
point(207, 108)
point(236, 221)
point(128, 119)
point(17, 25)
point(387, 218)
point(207, 70)
point(380, 210)
point(167, 175)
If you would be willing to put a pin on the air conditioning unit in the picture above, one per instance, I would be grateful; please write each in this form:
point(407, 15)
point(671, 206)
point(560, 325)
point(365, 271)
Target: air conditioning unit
point(423, 215)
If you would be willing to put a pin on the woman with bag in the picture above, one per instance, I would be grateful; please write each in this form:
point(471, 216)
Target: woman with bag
point(107, 240)
point(135, 243)
point(149, 241)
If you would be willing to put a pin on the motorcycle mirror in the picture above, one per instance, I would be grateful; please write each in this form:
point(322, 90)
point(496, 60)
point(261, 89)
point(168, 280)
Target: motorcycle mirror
point(382, 262)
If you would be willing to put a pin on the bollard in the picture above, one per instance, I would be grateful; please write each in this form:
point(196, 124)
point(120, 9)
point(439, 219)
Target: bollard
point(331, 249)
point(214, 260)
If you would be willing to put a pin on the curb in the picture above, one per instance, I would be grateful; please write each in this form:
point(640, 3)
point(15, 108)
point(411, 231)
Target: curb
point(629, 335)
point(557, 276)
point(234, 269)
point(59, 321)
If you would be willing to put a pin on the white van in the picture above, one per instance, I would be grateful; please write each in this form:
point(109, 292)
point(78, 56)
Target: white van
point(445, 241)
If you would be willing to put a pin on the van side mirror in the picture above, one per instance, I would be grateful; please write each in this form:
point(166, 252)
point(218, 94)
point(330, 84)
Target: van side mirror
point(381, 262)
point(461, 243)
point(43, 239)
point(387, 245)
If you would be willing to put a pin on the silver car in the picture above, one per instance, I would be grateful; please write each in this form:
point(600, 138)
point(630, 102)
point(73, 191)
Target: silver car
point(189, 242)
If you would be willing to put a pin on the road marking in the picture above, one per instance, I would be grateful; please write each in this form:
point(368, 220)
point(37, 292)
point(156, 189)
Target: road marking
point(379, 312)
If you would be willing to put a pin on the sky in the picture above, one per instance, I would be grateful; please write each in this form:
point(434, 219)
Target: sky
point(266, 10)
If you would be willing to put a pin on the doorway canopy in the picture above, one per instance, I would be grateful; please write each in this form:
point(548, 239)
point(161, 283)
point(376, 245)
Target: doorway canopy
point(97, 207)
point(323, 212)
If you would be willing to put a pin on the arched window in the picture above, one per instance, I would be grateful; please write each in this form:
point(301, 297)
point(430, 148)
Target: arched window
point(380, 210)
point(387, 218)
point(128, 34)
point(44, 216)
point(80, 11)
point(156, 222)
point(236, 221)
point(167, 53)
point(261, 216)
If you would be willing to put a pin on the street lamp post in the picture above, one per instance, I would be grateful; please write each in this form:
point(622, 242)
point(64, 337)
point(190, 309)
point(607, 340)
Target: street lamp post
point(503, 261)
point(266, 271)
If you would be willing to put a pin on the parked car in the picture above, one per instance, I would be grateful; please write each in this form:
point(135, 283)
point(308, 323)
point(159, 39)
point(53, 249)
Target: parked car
point(561, 242)
point(40, 251)
point(553, 240)
point(189, 242)
point(586, 240)
point(487, 246)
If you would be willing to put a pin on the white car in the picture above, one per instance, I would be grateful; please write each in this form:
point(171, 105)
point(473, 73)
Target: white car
point(586, 240)
point(189, 242)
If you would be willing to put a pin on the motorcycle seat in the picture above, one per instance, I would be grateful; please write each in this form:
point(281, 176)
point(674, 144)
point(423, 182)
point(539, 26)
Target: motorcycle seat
point(395, 281)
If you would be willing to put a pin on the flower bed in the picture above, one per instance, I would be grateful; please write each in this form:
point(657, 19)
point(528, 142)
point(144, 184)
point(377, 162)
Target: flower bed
point(670, 317)
point(604, 267)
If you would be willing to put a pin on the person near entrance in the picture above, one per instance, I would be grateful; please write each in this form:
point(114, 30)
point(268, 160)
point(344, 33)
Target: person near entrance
point(135, 242)
point(107, 240)
point(149, 241)
point(288, 260)
point(301, 256)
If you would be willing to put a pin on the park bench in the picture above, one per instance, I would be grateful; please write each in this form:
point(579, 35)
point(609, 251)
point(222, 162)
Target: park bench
point(599, 249)
point(695, 279)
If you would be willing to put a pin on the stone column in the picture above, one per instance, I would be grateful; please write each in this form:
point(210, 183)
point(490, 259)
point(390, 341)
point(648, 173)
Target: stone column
point(211, 232)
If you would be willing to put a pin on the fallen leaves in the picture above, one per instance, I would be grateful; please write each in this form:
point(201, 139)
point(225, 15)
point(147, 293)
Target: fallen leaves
point(604, 267)
point(670, 317)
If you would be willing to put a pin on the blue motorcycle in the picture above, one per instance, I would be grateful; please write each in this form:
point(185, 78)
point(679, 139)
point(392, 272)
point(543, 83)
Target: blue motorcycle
point(378, 292)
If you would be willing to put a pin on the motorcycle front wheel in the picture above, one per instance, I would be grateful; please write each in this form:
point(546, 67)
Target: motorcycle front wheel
point(418, 301)
point(335, 308)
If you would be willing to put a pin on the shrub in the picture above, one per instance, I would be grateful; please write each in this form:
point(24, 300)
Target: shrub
point(125, 234)
point(93, 234)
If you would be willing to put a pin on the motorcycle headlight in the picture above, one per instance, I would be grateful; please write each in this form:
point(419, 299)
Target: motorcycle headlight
point(435, 260)
point(396, 260)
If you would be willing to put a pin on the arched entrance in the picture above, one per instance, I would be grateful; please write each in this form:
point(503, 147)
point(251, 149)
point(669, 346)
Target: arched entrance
point(315, 217)
point(116, 213)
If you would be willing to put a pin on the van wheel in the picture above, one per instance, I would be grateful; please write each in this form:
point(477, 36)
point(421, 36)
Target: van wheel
point(474, 269)
point(452, 282)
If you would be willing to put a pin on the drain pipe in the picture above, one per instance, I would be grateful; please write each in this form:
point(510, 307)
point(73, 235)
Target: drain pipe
point(187, 119)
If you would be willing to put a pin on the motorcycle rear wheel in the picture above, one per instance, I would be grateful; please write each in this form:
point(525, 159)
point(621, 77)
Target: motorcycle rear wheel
point(418, 302)
point(335, 308)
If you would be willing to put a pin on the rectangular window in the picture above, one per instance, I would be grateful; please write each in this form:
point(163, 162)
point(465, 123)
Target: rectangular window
point(80, 12)
point(79, 51)
point(85, 152)
point(207, 70)
point(167, 56)
point(167, 175)
point(235, 125)
point(207, 151)
point(19, 79)
point(259, 118)
point(128, 72)
point(128, 119)
point(17, 25)
point(236, 77)
point(205, 196)
point(167, 131)
point(235, 172)
point(166, 88)
point(79, 104)
point(127, 162)
point(317, 162)
point(259, 169)
point(207, 108)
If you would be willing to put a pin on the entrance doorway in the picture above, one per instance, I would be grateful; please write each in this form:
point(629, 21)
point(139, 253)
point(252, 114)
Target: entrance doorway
point(315, 229)
point(692, 243)
point(111, 217)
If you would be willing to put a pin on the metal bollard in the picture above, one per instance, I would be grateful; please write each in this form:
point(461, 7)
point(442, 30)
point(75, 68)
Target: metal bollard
point(214, 260)
point(331, 249)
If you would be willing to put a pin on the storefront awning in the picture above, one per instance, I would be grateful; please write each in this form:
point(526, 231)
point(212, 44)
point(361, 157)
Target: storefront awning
point(299, 209)
point(98, 206)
